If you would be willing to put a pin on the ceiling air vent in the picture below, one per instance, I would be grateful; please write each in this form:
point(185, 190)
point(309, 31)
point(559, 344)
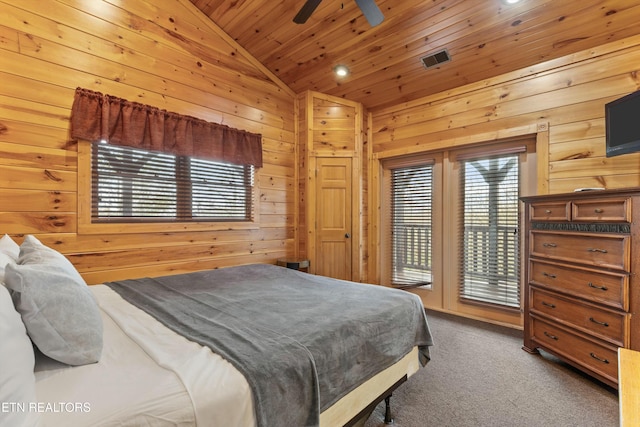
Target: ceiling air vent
point(435, 59)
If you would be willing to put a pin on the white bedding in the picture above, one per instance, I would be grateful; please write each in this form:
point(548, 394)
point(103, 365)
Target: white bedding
point(151, 376)
point(147, 376)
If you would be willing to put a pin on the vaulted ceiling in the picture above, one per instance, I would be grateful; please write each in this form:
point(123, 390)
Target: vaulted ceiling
point(484, 38)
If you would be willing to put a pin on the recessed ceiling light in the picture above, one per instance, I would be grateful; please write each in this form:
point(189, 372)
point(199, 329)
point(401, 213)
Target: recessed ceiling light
point(511, 1)
point(341, 70)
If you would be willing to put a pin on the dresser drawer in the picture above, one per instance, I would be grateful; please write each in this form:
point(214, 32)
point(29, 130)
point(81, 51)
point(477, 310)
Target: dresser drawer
point(611, 210)
point(595, 356)
point(605, 324)
point(602, 250)
point(608, 288)
point(550, 211)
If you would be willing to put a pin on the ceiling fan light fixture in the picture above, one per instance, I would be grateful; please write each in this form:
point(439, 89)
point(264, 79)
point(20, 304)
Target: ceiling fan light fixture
point(341, 70)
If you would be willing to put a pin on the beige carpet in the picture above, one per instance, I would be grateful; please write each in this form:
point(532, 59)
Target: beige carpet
point(480, 376)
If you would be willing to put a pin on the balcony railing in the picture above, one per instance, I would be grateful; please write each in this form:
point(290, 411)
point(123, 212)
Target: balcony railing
point(491, 260)
point(412, 254)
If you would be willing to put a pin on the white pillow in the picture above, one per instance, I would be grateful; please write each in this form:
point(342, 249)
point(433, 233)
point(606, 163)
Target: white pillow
point(9, 251)
point(9, 247)
point(17, 382)
point(57, 307)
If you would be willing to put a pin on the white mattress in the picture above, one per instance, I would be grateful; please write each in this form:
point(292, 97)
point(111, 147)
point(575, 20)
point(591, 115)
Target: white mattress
point(147, 376)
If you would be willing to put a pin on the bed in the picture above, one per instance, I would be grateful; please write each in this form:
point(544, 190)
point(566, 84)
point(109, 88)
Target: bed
point(344, 351)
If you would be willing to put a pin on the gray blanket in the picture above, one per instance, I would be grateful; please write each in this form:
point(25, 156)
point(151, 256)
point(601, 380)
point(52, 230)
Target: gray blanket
point(301, 341)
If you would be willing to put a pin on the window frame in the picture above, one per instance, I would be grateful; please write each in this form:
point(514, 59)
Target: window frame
point(87, 226)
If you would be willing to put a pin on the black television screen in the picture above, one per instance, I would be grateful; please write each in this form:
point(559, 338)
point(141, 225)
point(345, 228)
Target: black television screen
point(622, 118)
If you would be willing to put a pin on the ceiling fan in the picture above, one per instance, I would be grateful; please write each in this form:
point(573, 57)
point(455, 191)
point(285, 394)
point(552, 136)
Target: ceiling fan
point(369, 9)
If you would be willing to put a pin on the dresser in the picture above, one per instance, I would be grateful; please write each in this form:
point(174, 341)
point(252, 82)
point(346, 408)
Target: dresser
point(582, 290)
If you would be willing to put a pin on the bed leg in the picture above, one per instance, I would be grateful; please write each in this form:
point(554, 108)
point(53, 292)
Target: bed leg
point(388, 419)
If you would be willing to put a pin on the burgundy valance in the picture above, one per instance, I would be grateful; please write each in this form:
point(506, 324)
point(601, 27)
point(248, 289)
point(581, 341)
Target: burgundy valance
point(95, 116)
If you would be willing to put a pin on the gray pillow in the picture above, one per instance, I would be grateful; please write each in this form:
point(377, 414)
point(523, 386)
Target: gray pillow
point(58, 309)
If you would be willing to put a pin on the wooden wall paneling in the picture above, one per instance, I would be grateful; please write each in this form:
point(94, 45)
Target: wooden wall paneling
point(577, 148)
point(562, 102)
point(9, 39)
point(365, 199)
point(542, 155)
point(136, 52)
point(21, 200)
point(15, 222)
point(34, 134)
point(193, 96)
point(255, 62)
point(303, 116)
point(499, 105)
point(112, 260)
point(161, 269)
point(88, 52)
point(12, 154)
point(310, 179)
point(73, 243)
point(514, 85)
point(297, 202)
point(37, 178)
point(458, 138)
point(23, 110)
point(331, 127)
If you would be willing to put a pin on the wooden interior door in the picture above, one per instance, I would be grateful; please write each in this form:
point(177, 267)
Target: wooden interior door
point(333, 217)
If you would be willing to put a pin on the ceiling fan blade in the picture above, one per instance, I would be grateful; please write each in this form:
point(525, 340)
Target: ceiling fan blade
point(371, 11)
point(306, 11)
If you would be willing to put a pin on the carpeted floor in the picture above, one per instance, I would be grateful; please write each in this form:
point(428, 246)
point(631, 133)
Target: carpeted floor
point(479, 376)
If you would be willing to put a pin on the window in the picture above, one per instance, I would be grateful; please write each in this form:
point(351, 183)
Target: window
point(489, 247)
point(132, 185)
point(411, 201)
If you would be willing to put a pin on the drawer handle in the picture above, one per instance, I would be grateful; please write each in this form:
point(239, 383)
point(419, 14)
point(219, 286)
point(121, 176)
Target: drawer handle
point(549, 275)
point(602, 251)
point(553, 337)
point(598, 322)
point(547, 211)
point(599, 358)
point(548, 304)
point(549, 245)
point(598, 210)
point(602, 288)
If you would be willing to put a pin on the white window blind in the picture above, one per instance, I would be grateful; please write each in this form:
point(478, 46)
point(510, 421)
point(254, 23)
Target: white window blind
point(411, 211)
point(131, 185)
point(490, 264)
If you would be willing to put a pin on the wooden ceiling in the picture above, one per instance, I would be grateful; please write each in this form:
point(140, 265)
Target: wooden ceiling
point(484, 38)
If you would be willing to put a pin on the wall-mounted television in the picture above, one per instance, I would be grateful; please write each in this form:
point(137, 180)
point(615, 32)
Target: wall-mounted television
point(622, 118)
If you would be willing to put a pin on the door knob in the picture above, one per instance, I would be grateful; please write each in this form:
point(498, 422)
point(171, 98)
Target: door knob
point(347, 235)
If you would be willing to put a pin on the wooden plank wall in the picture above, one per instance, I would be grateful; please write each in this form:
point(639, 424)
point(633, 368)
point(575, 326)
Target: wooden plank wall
point(561, 102)
point(165, 54)
point(331, 127)
point(567, 94)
